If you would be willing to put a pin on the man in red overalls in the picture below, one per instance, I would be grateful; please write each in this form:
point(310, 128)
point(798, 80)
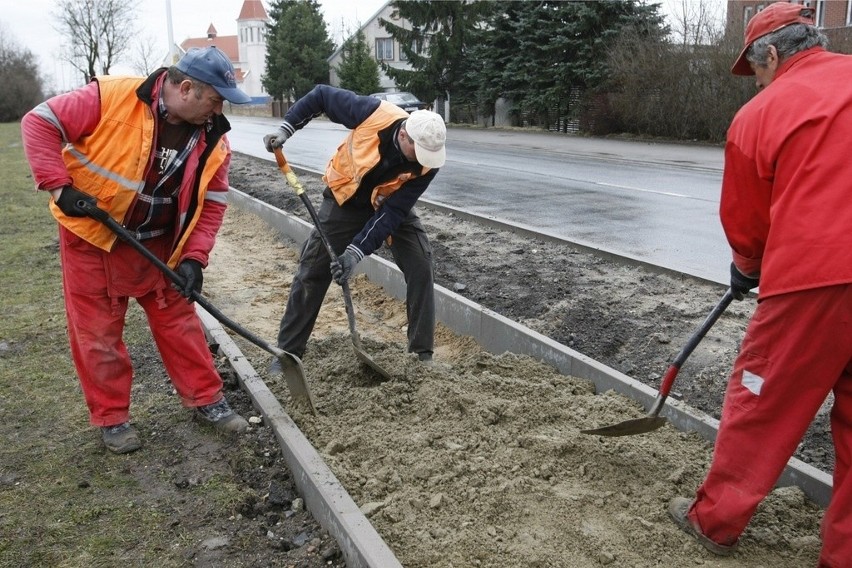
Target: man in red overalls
point(152, 152)
point(787, 213)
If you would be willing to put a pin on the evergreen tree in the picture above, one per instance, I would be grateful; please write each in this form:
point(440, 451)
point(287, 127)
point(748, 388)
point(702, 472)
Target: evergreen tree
point(539, 54)
point(436, 45)
point(358, 70)
point(298, 47)
point(21, 85)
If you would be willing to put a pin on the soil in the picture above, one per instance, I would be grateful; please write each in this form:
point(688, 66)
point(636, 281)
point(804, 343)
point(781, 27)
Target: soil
point(632, 319)
point(478, 460)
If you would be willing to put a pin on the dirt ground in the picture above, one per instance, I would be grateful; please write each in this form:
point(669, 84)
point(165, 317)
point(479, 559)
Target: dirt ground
point(628, 318)
point(478, 460)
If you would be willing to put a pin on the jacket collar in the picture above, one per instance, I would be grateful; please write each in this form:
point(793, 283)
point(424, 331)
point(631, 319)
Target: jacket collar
point(791, 61)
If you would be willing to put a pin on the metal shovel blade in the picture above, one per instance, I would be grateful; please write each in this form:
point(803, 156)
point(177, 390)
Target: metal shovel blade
point(294, 376)
point(356, 337)
point(629, 427)
point(653, 420)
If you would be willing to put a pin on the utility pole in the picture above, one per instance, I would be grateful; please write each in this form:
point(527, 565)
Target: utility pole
point(173, 53)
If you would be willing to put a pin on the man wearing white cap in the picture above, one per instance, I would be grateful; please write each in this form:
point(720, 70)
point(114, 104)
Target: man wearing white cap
point(786, 212)
point(152, 152)
point(374, 179)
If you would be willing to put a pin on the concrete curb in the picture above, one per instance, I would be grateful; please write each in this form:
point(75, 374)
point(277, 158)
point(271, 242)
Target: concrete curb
point(498, 334)
point(324, 496)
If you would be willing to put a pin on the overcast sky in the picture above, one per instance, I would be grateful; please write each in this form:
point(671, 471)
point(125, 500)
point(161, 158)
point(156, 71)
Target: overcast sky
point(29, 24)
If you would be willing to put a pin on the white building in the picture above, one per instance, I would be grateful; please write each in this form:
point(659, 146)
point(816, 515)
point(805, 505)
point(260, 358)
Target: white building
point(382, 46)
point(246, 50)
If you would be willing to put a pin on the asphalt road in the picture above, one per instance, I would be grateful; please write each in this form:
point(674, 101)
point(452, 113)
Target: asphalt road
point(654, 202)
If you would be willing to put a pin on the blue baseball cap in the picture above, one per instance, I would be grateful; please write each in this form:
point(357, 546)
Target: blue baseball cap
point(210, 65)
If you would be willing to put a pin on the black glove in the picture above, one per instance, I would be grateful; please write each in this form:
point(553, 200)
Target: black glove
point(342, 268)
point(68, 199)
point(740, 283)
point(193, 277)
point(276, 139)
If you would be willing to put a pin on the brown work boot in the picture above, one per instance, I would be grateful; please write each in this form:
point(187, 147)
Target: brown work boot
point(221, 417)
point(678, 509)
point(120, 438)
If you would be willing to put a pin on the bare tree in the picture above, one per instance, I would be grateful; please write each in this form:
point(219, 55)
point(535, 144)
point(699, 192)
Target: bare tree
point(98, 32)
point(146, 57)
point(696, 22)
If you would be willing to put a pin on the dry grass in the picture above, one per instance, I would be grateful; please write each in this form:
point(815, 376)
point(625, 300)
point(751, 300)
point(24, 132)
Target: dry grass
point(67, 502)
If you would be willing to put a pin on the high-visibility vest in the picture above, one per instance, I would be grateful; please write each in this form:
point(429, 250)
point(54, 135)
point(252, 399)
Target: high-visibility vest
point(110, 164)
point(358, 154)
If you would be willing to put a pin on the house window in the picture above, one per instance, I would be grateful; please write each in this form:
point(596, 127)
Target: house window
point(819, 11)
point(849, 13)
point(747, 13)
point(384, 48)
point(416, 47)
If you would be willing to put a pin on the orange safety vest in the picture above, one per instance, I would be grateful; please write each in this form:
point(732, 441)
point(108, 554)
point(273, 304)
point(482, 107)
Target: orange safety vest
point(358, 154)
point(110, 163)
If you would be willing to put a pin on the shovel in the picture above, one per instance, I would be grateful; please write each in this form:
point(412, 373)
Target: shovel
point(653, 420)
point(294, 182)
point(291, 366)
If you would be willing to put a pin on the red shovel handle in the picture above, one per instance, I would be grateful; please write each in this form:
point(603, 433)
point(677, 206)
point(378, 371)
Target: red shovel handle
point(674, 368)
point(668, 380)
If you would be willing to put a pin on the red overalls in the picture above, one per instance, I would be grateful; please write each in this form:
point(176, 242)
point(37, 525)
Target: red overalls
point(97, 287)
point(787, 213)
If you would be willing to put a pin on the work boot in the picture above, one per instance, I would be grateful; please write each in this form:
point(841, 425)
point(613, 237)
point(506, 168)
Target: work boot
point(425, 358)
point(120, 438)
point(221, 417)
point(678, 509)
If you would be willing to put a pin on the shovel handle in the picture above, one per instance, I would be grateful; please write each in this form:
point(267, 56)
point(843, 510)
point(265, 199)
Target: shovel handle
point(288, 172)
point(100, 215)
point(672, 371)
point(294, 182)
point(300, 191)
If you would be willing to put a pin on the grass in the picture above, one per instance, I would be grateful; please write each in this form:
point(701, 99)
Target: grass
point(64, 500)
point(47, 464)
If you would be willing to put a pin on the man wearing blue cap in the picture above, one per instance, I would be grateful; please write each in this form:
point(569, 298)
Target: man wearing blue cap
point(152, 152)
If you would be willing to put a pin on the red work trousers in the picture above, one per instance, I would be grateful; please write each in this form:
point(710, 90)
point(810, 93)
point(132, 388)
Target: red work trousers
point(97, 287)
point(796, 350)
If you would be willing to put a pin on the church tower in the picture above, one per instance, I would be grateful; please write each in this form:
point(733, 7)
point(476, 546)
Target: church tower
point(251, 34)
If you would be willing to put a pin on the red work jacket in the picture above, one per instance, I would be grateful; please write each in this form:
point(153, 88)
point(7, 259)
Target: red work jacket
point(786, 204)
point(111, 131)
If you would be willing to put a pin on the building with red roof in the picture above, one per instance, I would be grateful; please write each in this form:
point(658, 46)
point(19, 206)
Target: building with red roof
point(246, 50)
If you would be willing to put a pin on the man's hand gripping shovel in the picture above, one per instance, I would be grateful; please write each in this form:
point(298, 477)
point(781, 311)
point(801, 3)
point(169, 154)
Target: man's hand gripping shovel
point(291, 365)
point(294, 182)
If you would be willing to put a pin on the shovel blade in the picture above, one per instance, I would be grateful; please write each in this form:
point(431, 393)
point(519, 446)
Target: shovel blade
point(294, 376)
point(370, 362)
point(629, 427)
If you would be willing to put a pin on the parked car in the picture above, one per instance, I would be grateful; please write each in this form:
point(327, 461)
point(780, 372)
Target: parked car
point(402, 99)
